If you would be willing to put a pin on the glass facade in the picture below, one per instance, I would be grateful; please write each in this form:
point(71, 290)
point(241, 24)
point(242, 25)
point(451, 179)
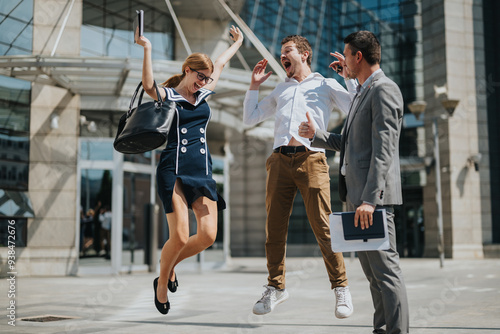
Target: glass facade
point(15, 97)
point(95, 203)
point(107, 32)
point(107, 29)
point(20, 236)
point(16, 25)
point(135, 217)
point(96, 150)
point(97, 224)
point(491, 49)
point(325, 24)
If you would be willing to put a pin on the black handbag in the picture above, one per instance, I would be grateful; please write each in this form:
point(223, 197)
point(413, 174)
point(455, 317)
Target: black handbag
point(145, 127)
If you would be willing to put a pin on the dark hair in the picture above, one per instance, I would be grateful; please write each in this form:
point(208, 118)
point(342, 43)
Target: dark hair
point(196, 61)
point(367, 43)
point(302, 44)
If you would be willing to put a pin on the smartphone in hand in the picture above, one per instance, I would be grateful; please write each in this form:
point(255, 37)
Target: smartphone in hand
point(138, 25)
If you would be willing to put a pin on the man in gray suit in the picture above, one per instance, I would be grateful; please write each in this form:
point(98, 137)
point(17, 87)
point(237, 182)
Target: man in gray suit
point(369, 175)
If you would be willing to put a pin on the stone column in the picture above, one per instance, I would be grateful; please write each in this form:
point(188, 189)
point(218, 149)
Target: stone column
point(54, 131)
point(454, 58)
point(248, 191)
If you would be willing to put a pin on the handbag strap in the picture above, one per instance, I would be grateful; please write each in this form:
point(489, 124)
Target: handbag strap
point(158, 102)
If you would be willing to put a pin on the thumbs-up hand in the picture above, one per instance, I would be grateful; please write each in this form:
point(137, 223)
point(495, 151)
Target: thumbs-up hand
point(307, 129)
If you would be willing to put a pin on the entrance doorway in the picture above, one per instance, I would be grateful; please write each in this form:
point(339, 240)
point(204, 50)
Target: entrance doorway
point(119, 191)
point(136, 199)
point(95, 216)
point(115, 192)
point(410, 224)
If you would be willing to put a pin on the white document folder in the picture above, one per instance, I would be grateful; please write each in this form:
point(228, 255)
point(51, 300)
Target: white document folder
point(339, 242)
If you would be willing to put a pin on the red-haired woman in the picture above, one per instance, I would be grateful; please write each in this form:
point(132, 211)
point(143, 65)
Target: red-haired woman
point(184, 172)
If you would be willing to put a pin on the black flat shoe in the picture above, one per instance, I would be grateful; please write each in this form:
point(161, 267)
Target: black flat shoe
point(172, 285)
point(163, 308)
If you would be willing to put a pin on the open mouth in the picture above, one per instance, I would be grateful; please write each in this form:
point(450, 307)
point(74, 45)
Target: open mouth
point(197, 85)
point(286, 64)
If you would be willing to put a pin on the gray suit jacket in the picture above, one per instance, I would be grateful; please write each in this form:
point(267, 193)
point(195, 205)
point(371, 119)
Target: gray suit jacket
point(369, 144)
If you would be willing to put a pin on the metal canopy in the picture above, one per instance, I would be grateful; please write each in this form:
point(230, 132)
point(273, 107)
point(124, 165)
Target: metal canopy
point(107, 83)
point(110, 82)
point(105, 76)
point(85, 76)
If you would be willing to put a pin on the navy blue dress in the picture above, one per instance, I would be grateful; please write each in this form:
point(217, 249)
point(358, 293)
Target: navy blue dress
point(186, 156)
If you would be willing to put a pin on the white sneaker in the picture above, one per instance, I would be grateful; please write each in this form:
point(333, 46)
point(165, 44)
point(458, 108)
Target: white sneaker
point(343, 304)
point(270, 298)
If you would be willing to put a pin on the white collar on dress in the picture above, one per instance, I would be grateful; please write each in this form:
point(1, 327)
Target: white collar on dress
point(201, 94)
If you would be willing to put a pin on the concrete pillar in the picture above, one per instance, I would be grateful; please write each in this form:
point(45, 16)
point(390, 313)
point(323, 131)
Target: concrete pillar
point(454, 56)
point(47, 22)
point(53, 151)
point(203, 36)
point(248, 188)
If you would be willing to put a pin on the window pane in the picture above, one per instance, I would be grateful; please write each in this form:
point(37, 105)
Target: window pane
point(19, 225)
point(16, 25)
point(14, 133)
point(96, 150)
point(107, 29)
point(95, 213)
point(23, 11)
point(135, 217)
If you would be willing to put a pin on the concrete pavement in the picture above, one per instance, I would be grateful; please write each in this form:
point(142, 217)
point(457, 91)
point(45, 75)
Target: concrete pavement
point(462, 297)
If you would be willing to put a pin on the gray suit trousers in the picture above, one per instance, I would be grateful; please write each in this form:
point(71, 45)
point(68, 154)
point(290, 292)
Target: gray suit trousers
point(386, 283)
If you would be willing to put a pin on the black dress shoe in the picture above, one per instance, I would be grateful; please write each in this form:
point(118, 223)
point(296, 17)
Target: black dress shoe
point(163, 308)
point(172, 285)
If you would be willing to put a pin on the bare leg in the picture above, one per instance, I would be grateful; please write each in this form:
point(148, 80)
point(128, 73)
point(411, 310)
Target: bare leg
point(205, 211)
point(172, 273)
point(178, 226)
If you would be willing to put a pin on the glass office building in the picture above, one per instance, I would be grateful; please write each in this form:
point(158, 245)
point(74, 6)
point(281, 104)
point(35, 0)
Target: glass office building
point(76, 68)
point(492, 47)
point(325, 24)
point(68, 69)
point(107, 25)
point(15, 97)
point(405, 29)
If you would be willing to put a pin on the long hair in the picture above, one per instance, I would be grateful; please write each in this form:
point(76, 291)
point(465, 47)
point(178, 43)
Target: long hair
point(196, 61)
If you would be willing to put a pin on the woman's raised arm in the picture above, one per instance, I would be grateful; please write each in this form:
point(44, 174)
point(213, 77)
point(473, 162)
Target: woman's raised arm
point(237, 37)
point(147, 69)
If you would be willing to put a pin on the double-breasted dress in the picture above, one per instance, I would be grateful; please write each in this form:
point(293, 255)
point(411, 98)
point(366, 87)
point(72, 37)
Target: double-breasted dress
point(186, 156)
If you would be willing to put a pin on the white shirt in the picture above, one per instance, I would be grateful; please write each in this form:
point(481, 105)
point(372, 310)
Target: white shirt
point(290, 101)
point(105, 219)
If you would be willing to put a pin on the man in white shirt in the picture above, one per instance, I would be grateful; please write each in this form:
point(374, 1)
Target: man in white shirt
point(294, 164)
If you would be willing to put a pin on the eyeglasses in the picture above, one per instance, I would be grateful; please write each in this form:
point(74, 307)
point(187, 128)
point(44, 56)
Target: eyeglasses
point(203, 77)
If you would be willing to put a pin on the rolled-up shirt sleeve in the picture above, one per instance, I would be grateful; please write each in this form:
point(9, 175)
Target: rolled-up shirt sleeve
point(254, 111)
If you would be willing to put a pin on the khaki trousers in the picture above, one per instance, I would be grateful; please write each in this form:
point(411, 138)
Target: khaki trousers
point(307, 172)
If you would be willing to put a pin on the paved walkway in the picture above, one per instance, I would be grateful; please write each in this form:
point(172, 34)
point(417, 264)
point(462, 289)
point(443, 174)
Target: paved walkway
point(463, 297)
